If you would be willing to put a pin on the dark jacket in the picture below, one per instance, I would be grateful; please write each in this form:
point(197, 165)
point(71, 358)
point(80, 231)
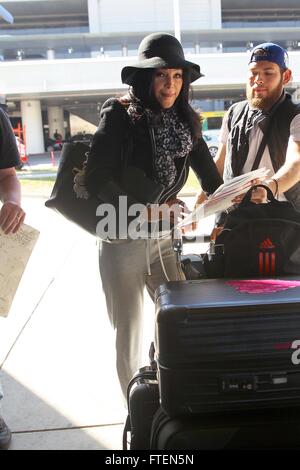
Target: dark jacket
point(116, 133)
point(277, 141)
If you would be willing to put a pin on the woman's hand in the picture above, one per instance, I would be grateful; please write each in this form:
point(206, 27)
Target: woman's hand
point(194, 225)
point(174, 211)
point(178, 210)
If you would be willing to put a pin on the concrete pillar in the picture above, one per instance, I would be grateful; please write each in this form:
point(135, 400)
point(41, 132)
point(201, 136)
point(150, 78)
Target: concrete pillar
point(56, 120)
point(94, 24)
point(176, 13)
point(215, 14)
point(208, 15)
point(94, 16)
point(32, 120)
point(50, 54)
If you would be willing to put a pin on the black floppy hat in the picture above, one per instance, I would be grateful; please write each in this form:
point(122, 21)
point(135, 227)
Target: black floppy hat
point(160, 50)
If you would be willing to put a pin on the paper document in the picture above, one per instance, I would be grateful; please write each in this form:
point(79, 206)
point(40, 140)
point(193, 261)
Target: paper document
point(15, 250)
point(222, 198)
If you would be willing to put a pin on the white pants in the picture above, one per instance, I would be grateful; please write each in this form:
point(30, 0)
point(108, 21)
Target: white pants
point(124, 273)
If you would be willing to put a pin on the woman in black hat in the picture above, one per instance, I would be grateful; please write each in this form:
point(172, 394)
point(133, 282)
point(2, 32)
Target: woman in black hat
point(160, 134)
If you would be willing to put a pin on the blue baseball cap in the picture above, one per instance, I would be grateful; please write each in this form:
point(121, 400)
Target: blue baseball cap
point(270, 52)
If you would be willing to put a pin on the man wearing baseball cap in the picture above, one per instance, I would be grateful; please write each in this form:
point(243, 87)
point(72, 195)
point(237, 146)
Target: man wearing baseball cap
point(264, 130)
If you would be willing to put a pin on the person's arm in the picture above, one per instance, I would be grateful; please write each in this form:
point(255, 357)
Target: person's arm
point(219, 163)
point(220, 158)
point(207, 173)
point(11, 214)
point(204, 167)
point(289, 173)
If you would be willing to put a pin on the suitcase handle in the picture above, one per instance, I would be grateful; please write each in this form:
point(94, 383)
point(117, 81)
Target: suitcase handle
point(247, 198)
point(151, 375)
point(126, 430)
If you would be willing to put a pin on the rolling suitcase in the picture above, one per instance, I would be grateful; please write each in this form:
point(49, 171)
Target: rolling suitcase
point(260, 430)
point(219, 348)
point(143, 402)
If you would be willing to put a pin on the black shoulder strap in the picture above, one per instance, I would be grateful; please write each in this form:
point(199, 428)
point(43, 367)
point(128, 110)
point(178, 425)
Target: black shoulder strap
point(127, 429)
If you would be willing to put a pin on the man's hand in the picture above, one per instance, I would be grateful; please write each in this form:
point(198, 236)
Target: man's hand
point(11, 217)
point(259, 195)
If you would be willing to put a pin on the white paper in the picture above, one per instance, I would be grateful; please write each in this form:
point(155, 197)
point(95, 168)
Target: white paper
point(15, 250)
point(222, 198)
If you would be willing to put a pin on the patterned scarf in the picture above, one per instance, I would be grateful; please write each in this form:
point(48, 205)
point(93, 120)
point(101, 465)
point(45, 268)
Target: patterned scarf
point(173, 140)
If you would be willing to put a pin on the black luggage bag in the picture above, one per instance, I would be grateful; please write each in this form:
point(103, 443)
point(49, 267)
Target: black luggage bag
point(143, 402)
point(221, 349)
point(256, 430)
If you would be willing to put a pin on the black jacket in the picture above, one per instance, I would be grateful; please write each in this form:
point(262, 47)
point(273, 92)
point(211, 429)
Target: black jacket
point(116, 133)
point(277, 140)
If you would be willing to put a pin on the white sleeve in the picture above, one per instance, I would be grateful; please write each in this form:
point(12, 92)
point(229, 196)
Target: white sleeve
point(295, 128)
point(224, 130)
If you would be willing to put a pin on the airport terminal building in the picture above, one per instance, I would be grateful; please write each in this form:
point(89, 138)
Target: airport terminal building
point(60, 59)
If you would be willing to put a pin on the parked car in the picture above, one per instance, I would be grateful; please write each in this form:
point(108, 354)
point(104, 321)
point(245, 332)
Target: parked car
point(22, 153)
point(211, 138)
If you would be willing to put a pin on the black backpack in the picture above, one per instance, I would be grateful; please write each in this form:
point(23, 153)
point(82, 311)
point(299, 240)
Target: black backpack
point(258, 240)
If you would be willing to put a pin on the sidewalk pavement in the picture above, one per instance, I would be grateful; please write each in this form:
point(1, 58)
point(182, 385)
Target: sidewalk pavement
point(57, 347)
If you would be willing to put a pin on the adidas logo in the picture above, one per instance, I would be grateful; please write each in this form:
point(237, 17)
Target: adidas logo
point(266, 244)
